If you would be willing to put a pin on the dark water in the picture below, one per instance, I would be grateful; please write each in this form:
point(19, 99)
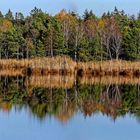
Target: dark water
point(31, 109)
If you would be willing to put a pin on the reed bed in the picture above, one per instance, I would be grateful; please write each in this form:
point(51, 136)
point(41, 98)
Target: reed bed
point(65, 65)
point(114, 67)
point(40, 65)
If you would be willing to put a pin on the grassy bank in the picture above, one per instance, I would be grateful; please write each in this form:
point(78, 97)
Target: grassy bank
point(113, 68)
point(40, 66)
point(65, 65)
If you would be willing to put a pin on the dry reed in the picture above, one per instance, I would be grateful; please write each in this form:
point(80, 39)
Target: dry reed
point(40, 65)
point(125, 68)
point(65, 65)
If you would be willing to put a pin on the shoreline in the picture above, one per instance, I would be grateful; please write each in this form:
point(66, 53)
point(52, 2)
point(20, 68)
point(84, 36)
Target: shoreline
point(66, 66)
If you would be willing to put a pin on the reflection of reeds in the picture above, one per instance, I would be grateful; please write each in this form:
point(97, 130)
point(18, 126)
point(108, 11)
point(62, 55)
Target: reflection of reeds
point(67, 81)
point(11, 72)
point(106, 80)
point(53, 81)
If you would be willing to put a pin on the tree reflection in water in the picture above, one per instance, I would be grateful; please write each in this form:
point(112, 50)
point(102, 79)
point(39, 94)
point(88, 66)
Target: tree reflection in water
point(62, 97)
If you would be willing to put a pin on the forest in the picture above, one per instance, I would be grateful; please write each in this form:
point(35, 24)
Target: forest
point(114, 35)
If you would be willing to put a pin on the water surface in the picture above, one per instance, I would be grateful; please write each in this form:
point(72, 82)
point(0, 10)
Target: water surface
point(30, 109)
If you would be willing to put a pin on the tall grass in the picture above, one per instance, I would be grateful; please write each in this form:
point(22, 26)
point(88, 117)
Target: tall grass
point(65, 65)
point(125, 68)
point(40, 65)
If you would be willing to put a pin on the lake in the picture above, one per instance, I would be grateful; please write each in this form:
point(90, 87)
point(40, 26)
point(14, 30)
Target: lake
point(67, 108)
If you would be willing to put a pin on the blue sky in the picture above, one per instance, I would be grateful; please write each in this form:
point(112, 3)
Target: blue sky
point(53, 6)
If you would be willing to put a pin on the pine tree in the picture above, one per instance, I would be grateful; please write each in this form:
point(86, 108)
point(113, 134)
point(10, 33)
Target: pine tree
point(9, 15)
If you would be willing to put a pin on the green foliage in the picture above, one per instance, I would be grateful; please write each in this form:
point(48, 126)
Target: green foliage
point(9, 15)
point(113, 100)
point(1, 15)
point(130, 43)
point(89, 15)
point(82, 38)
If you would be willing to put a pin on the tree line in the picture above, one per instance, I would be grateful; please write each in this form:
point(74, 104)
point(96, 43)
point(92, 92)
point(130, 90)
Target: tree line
point(114, 35)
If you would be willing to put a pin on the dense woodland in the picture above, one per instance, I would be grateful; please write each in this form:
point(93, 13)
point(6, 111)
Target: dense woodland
point(114, 35)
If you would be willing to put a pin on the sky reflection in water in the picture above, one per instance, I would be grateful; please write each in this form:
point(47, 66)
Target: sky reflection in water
point(20, 125)
point(32, 110)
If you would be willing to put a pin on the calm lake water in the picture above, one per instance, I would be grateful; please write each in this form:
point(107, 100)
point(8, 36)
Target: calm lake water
point(31, 109)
